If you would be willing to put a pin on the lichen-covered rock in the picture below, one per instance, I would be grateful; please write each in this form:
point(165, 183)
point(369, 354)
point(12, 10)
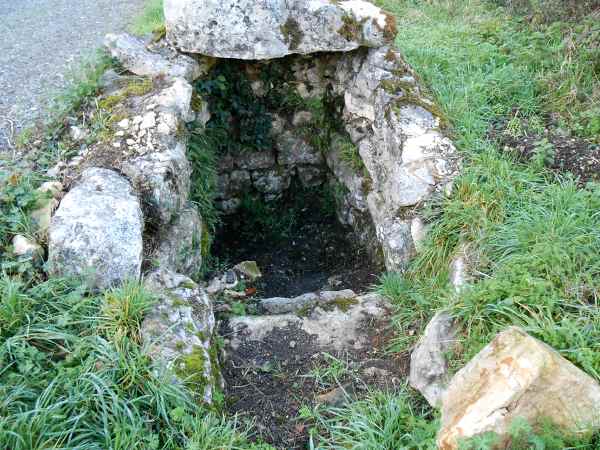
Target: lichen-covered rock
point(295, 151)
point(50, 192)
point(96, 233)
point(306, 302)
point(338, 325)
point(428, 364)
point(148, 145)
point(267, 29)
point(134, 55)
point(517, 377)
point(178, 331)
point(399, 137)
point(180, 244)
point(272, 182)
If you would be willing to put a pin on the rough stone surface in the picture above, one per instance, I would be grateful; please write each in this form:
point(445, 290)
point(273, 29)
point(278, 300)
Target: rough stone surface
point(336, 328)
point(267, 29)
point(428, 365)
point(97, 230)
point(517, 376)
point(398, 134)
point(41, 216)
point(294, 151)
point(180, 244)
point(305, 302)
point(149, 147)
point(24, 247)
point(179, 330)
point(248, 270)
point(134, 55)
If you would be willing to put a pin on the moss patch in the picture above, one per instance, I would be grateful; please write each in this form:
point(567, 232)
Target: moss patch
point(134, 88)
point(343, 304)
point(292, 33)
point(351, 28)
point(191, 368)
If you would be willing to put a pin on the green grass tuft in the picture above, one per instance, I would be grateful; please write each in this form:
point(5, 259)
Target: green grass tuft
point(151, 20)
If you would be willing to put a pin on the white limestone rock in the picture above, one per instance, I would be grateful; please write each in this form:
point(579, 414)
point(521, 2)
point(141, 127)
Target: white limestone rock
point(26, 248)
point(401, 143)
point(428, 364)
point(133, 54)
point(267, 29)
point(178, 331)
point(517, 376)
point(156, 160)
point(96, 233)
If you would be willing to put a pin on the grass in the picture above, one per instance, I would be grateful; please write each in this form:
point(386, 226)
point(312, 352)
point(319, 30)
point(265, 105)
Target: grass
point(535, 234)
point(74, 375)
point(151, 20)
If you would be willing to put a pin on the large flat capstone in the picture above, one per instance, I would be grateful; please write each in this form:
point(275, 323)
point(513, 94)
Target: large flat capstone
point(266, 29)
point(96, 232)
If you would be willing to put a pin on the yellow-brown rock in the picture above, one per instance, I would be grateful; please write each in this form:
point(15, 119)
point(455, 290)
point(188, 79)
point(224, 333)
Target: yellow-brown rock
point(517, 376)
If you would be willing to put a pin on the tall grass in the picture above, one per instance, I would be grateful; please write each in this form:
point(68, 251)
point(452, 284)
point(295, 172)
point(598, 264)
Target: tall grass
point(535, 234)
point(152, 18)
point(74, 375)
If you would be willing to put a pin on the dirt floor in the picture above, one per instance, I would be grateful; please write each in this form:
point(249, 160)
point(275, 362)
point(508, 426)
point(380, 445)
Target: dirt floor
point(564, 154)
point(298, 245)
point(272, 383)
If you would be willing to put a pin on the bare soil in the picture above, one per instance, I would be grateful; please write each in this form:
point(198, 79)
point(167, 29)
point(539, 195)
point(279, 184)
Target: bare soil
point(269, 383)
point(577, 156)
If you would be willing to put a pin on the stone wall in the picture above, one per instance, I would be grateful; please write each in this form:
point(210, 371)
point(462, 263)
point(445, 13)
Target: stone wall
point(362, 123)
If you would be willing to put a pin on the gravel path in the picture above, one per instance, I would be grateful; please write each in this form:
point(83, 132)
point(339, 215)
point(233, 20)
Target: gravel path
point(40, 41)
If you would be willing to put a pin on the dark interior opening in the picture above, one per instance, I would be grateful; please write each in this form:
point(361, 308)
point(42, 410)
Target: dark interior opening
point(298, 244)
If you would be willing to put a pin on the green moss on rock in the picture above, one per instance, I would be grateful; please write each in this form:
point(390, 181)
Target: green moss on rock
point(292, 33)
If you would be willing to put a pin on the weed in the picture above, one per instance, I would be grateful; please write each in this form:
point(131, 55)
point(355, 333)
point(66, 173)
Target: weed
point(330, 371)
point(349, 154)
point(237, 115)
point(381, 421)
point(543, 154)
point(151, 20)
point(123, 309)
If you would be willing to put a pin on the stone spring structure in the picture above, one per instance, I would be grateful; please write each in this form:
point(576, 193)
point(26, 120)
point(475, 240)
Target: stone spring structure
point(127, 212)
point(138, 172)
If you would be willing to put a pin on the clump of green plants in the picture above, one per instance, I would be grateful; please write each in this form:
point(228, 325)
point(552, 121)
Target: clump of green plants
point(236, 113)
point(329, 371)
point(151, 20)
point(75, 375)
point(387, 421)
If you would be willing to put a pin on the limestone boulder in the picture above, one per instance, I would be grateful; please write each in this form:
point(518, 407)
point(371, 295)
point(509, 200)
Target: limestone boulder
point(400, 138)
point(96, 232)
point(135, 56)
point(336, 327)
point(178, 331)
point(517, 376)
point(267, 29)
point(180, 243)
point(428, 364)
